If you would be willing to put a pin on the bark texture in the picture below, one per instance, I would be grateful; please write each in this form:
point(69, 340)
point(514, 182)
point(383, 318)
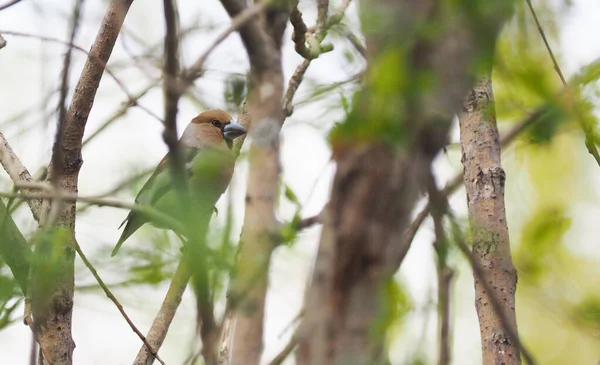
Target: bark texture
point(262, 38)
point(484, 181)
point(383, 153)
point(52, 295)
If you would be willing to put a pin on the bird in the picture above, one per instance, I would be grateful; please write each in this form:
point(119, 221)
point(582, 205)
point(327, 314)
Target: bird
point(206, 146)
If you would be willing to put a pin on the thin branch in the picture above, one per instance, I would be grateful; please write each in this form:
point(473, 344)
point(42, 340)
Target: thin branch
point(299, 38)
point(9, 4)
point(543, 34)
point(130, 102)
point(196, 69)
point(171, 93)
point(444, 272)
point(111, 296)
point(310, 221)
point(91, 57)
point(590, 142)
point(160, 326)
point(50, 193)
point(293, 86)
point(299, 34)
point(18, 173)
point(286, 351)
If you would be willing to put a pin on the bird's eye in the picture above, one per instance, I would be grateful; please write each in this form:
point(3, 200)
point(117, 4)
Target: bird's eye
point(216, 123)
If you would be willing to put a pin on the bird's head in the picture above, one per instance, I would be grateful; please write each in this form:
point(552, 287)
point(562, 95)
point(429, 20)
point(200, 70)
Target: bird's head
point(212, 128)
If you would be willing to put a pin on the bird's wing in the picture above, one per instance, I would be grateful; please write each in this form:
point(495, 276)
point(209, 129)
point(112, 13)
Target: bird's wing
point(157, 185)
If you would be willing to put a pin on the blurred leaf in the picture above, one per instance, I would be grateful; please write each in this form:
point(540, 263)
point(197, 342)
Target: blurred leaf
point(544, 129)
point(291, 196)
point(235, 91)
point(289, 233)
point(541, 238)
point(587, 312)
point(395, 304)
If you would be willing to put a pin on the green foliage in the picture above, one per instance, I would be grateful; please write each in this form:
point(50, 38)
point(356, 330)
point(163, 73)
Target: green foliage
point(235, 91)
point(586, 313)
point(395, 304)
point(545, 128)
point(541, 244)
point(289, 232)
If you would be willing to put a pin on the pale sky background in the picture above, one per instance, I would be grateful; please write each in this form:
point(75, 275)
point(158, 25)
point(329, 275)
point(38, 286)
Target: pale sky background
point(29, 69)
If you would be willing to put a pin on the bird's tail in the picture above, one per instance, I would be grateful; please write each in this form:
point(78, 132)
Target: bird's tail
point(134, 222)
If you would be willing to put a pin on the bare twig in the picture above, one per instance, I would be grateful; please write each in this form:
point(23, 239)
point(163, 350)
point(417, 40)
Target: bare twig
point(9, 4)
point(293, 85)
point(299, 38)
point(132, 101)
point(171, 92)
point(111, 296)
point(93, 58)
point(195, 70)
point(299, 34)
point(50, 193)
point(18, 173)
point(286, 351)
point(2, 41)
point(445, 273)
point(160, 326)
point(310, 221)
point(590, 140)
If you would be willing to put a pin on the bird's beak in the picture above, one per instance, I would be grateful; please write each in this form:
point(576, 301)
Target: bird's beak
point(233, 130)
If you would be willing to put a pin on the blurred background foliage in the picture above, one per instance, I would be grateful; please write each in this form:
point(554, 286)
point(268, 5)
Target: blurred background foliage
point(551, 193)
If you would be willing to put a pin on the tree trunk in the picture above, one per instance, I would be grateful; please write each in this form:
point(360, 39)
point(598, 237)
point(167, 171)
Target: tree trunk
point(484, 181)
point(383, 153)
point(53, 278)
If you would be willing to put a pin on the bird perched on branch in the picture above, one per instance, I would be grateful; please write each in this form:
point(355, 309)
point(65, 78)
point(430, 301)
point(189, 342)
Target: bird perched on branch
point(206, 147)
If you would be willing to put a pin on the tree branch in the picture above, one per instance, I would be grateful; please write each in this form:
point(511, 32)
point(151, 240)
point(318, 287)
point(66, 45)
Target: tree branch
point(457, 181)
point(54, 324)
point(18, 173)
point(8, 5)
point(160, 326)
point(590, 140)
point(111, 296)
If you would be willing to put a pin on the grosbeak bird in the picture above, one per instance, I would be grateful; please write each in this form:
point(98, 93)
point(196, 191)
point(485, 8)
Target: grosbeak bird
point(206, 146)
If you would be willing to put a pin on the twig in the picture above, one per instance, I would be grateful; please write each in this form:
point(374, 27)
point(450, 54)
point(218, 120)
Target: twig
point(310, 221)
point(50, 193)
point(91, 57)
point(445, 273)
point(293, 85)
point(130, 102)
point(299, 38)
point(110, 296)
point(2, 41)
point(286, 351)
point(172, 94)
point(118, 187)
point(160, 326)
point(18, 173)
point(299, 34)
point(195, 70)
point(9, 4)
point(590, 140)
